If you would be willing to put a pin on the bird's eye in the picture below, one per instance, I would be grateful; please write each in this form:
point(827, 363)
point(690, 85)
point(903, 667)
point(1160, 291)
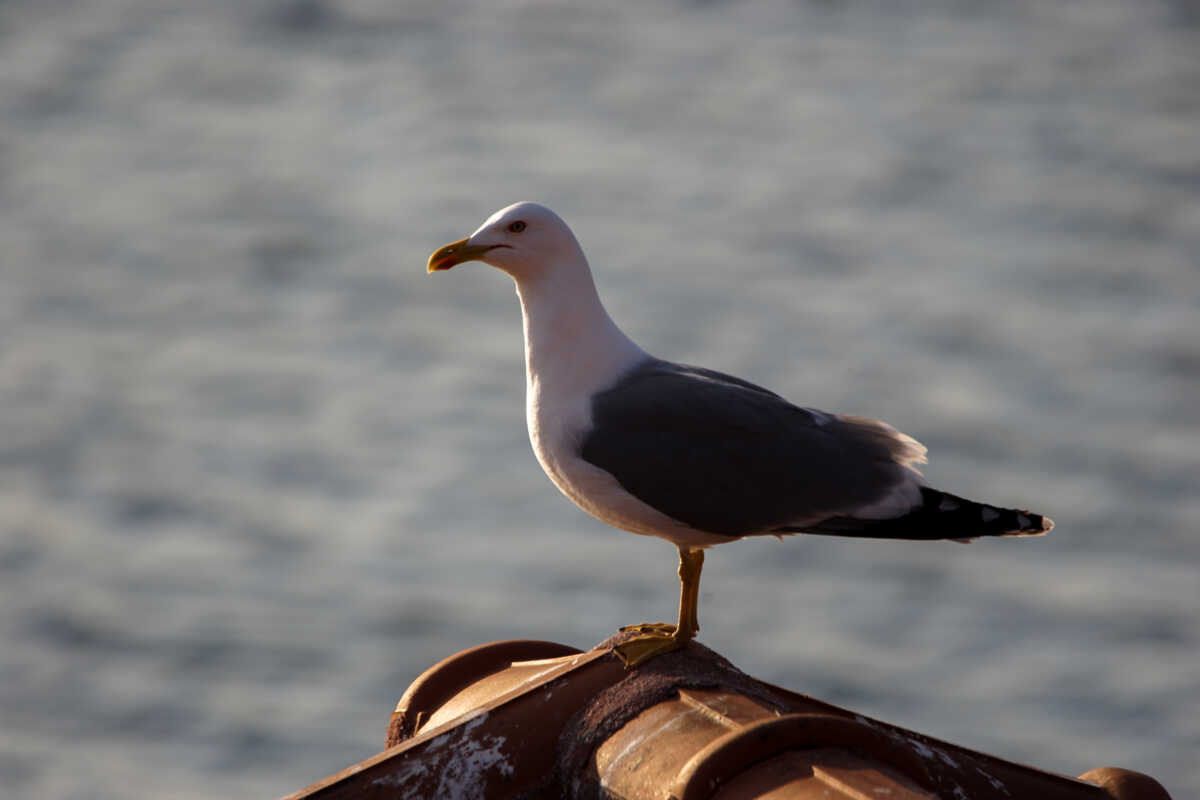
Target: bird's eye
point(517, 226)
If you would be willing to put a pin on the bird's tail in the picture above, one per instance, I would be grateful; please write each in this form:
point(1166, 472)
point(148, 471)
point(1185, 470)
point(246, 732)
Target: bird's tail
point(940, 516)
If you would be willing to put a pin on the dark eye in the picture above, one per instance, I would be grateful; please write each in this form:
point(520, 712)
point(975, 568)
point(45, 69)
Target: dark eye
point(517, 226)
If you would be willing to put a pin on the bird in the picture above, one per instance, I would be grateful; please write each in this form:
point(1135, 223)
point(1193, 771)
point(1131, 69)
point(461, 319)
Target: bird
point(691, 455)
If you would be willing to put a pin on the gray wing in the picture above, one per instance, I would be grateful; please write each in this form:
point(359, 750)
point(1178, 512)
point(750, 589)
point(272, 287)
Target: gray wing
point(728, 457)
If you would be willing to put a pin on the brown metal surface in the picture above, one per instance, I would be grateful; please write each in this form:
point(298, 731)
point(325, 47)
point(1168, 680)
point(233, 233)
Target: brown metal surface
point(436, 685)
point(959, 772)
point(501, 749)
point(821, 774)
point(733, 753)
point(705, 739)
point(683, 726)
point(1122, 784)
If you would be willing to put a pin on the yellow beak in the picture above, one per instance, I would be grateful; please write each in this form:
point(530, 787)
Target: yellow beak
point(455, 253)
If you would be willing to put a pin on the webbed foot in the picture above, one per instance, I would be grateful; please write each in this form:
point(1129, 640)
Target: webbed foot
point(652, 640)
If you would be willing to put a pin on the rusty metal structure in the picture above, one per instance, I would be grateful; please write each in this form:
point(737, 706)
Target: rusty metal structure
point(528, 719)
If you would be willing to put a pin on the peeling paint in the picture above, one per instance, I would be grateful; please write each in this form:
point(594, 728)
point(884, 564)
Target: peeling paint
point(996, 783)
point(922, 749)
point(462, 760)
point(945, 757)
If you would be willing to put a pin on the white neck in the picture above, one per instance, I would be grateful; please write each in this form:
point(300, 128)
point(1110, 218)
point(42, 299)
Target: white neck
point(571, 344)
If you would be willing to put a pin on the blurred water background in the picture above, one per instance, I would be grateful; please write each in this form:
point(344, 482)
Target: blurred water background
point(258, 471)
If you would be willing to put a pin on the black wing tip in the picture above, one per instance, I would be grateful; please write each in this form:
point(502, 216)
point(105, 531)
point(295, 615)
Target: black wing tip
point(992, 520)
point(1018, 521)
point(1038, 525)
point(940, 516)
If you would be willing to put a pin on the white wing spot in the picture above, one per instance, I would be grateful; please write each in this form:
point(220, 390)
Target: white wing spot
point(948, 505)
point(989, 514)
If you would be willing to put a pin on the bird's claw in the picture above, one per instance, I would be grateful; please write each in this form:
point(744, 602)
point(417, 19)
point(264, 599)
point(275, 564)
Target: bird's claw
point(651, 639)
point(641, 649)
point(661, 628)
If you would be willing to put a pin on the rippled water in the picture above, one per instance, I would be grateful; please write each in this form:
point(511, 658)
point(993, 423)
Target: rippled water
point(257, 470)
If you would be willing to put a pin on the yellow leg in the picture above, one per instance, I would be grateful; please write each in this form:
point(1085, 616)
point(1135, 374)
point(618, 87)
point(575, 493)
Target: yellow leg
point(690, 564)
point(656, 638)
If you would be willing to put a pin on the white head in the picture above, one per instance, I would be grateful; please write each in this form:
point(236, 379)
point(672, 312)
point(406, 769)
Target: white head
point(523, 240)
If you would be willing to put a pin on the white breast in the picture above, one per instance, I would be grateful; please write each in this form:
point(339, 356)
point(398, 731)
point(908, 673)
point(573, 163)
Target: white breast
point(573, 349)
point(556, 431)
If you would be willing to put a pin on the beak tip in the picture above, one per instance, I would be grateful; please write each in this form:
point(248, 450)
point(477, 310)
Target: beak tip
point(446, 257)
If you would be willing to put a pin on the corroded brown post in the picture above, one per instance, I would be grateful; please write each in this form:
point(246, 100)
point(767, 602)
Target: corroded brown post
point(526, 719)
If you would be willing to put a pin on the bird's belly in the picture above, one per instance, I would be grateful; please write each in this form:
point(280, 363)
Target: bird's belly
point(600, 494)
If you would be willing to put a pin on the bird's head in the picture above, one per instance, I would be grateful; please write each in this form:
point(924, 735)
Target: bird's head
point(523, 240)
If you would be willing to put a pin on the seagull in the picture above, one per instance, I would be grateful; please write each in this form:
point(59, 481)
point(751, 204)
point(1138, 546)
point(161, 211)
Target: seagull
point(688, 454)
